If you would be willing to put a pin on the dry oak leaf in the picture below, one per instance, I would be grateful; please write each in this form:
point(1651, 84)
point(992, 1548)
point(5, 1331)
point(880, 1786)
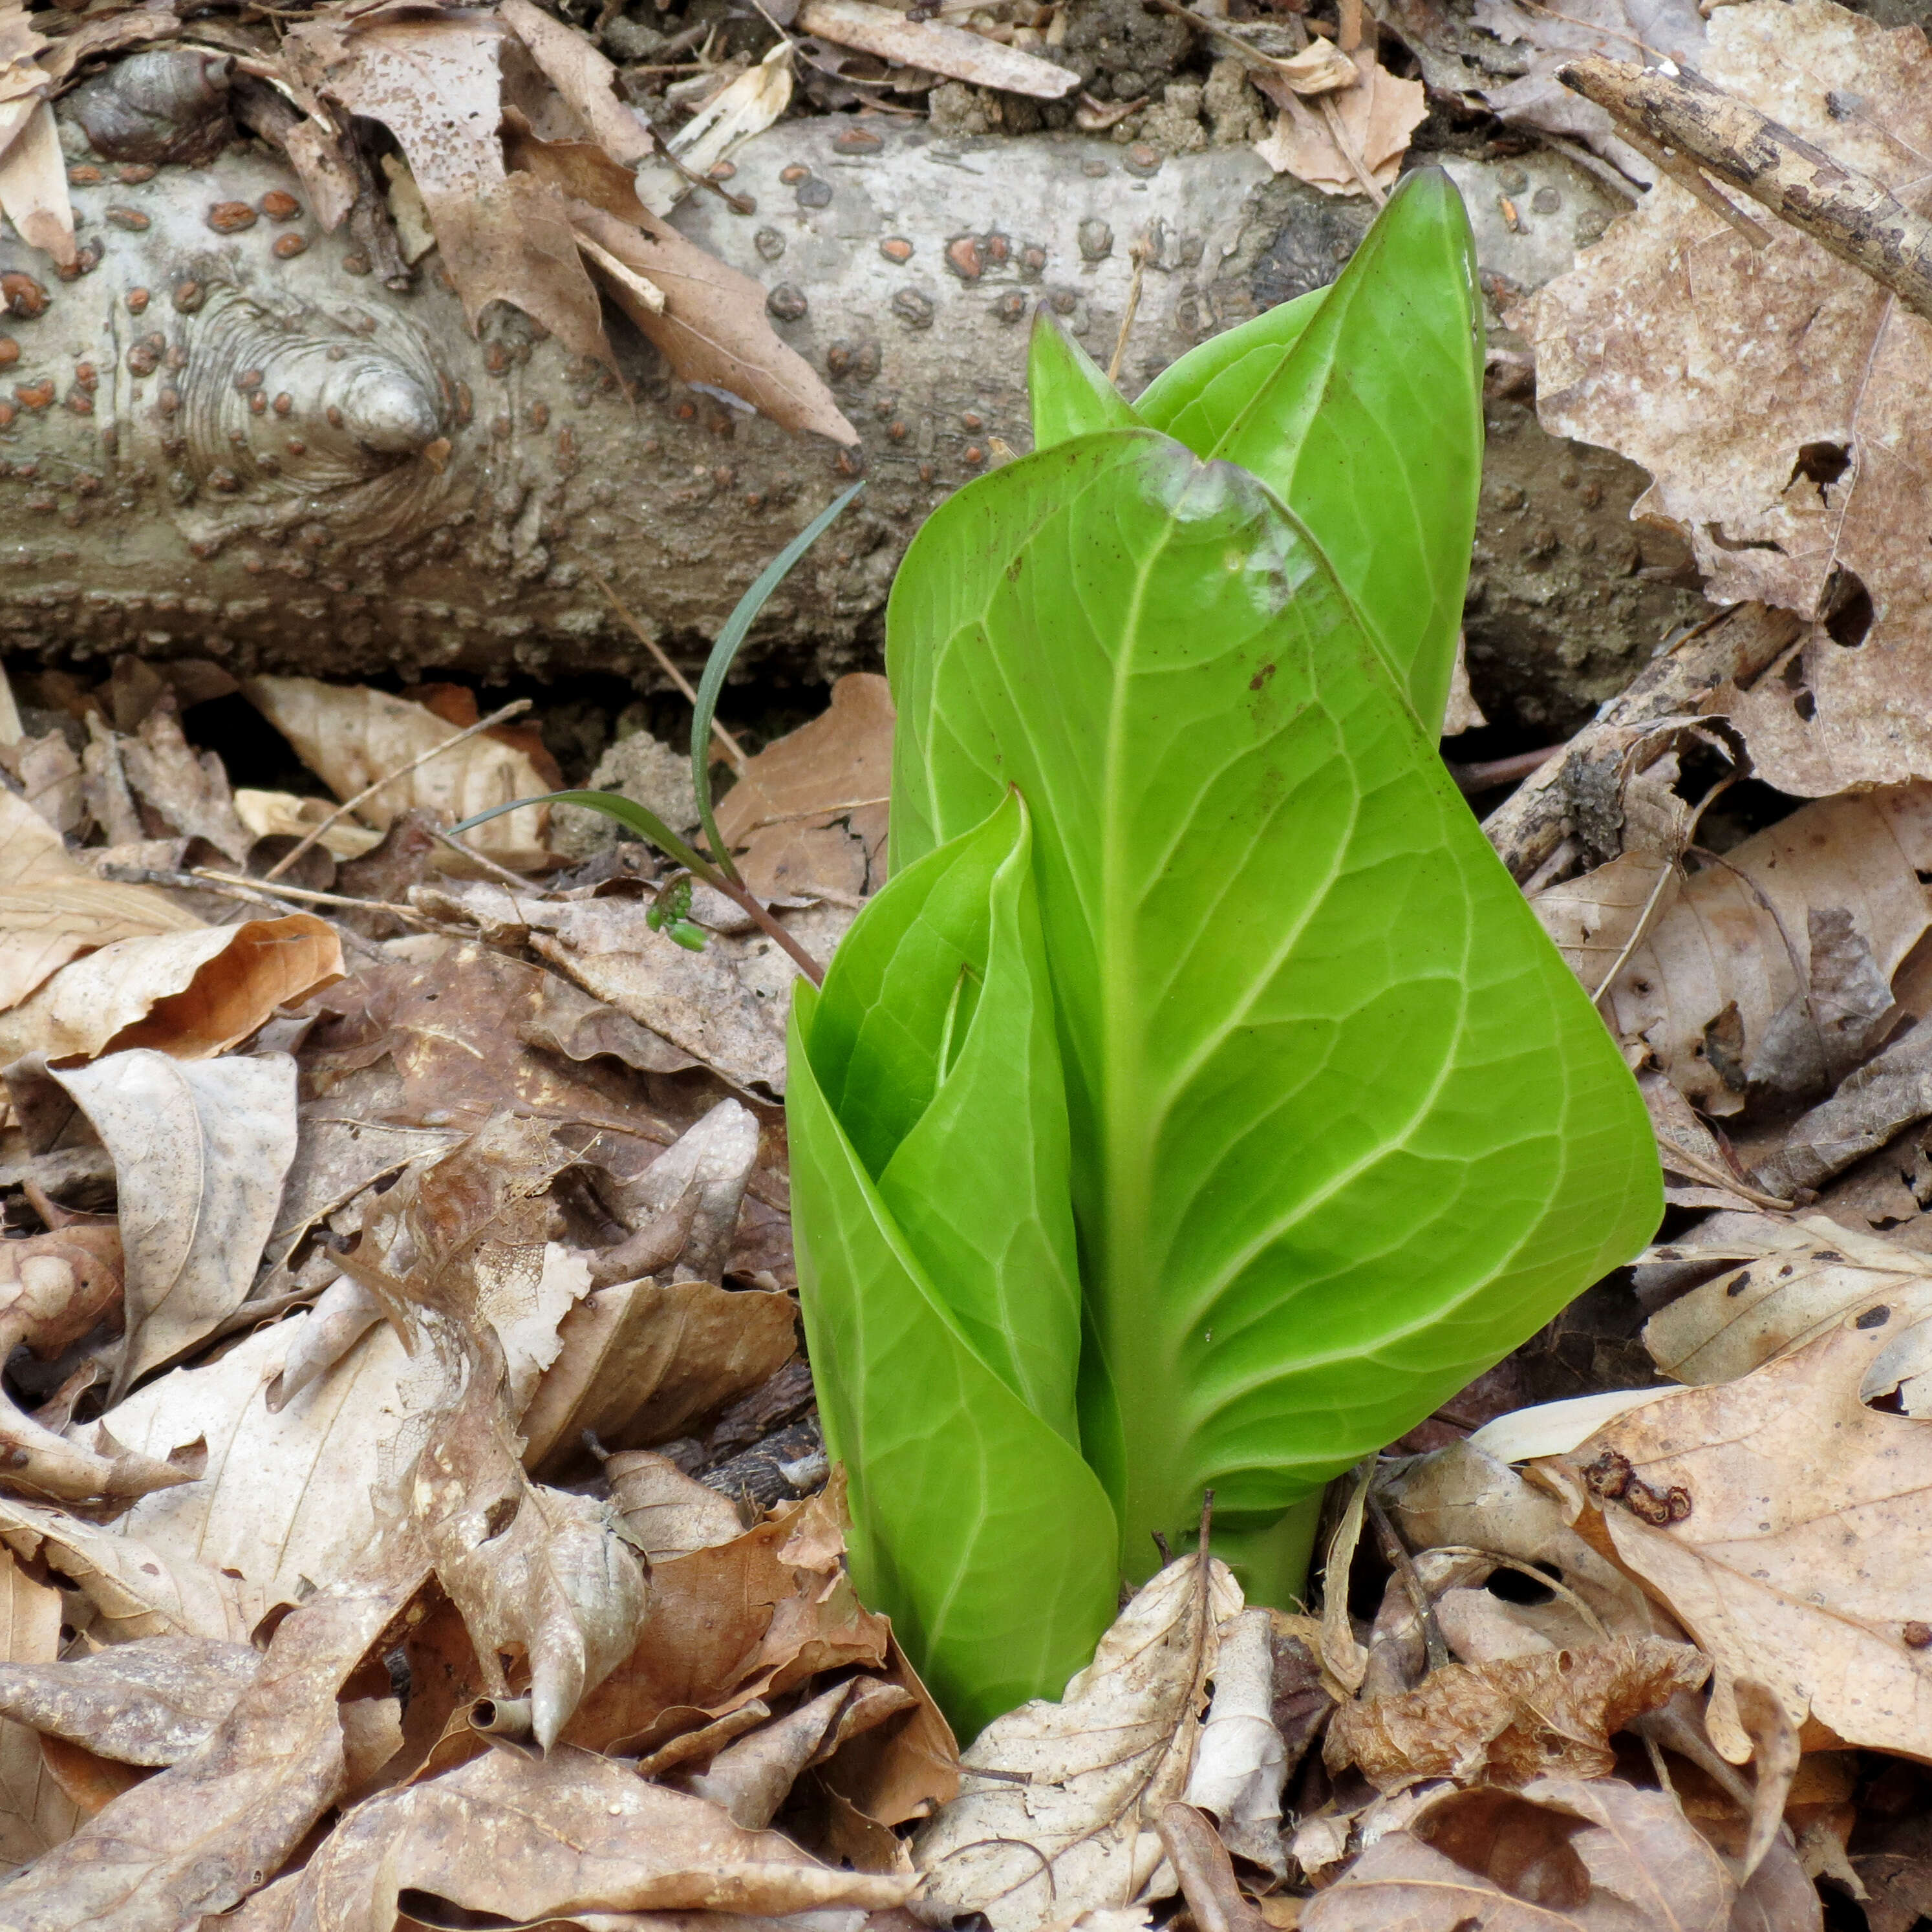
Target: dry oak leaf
point(199, 1836)
point(1799, 1280)
point(151, 1701)
point(436, 83)
point(53, 910)
point(1780, 399)
point(1803, 1559)
point(34, 1812)
point(1712, 987)
point(1560, 1855)
point(350, 735)
point(533, 1841)
point(1068, 1823)
point(809, 811)
point(585, 80)
point(1549, 1714)
point(190, 994)
point(1363, 130)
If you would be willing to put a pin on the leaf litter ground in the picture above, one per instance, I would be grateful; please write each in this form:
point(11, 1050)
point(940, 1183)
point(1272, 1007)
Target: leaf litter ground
point(413, 1503)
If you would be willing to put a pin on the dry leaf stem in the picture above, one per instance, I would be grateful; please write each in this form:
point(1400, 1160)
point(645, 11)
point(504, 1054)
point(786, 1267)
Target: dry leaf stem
point(513, 708)
point(1856, 217)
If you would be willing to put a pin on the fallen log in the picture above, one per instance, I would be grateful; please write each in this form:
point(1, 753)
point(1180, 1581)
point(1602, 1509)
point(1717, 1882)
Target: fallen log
point(224, 435)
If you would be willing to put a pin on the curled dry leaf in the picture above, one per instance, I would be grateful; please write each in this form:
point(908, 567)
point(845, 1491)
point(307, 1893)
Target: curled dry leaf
point(1352, 137)
point(200, 1835)
point(741, 1621)
point(281, 815)
point(585, 80)
point(1240, 1761)
point(1070, 1823)
point(1758, 966)
point(1779, 397)
point(350, 736)
point(1549, 1714)
point(150, 1702)
point(640, 1361)
point(190, 994)
point(53, 910)
point(808, 812)
point(1562, 1856)
point(663, 1513)
point(701, 1178)
point(535, 1841)
point(1781, 1520)
point(34, 1812)
point(188, 792)
point(200, 1151)
point(33, 183)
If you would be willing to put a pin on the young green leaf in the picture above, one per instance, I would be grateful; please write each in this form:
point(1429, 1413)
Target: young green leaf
point(1070, 394)
point(928, 1132)
point(627, 812)
point(1364, 414)
point(1345, 1129)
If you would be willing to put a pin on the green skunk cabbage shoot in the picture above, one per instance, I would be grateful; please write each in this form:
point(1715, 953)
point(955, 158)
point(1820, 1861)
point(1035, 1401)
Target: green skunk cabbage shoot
point(1200, 1104)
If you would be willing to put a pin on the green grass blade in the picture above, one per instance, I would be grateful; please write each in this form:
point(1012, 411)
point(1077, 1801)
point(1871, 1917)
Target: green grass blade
point(724, 651)
point(1345, 1129)
point(613, 805)
point(1070, 394)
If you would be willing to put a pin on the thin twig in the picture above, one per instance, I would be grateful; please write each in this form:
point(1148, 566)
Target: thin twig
point(514, 708)
point(1138, 254)
point(742, 895)
point(250, 894)
point(1488, 773)
point(733, 750)
point(1686, 173)
point(303, 895)
point(503, 874)
point(1396, 1554)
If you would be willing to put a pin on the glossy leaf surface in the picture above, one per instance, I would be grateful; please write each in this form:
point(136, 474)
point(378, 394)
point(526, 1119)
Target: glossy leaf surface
point(928, 1138)
point(1345, 1129)
point(1068, 392)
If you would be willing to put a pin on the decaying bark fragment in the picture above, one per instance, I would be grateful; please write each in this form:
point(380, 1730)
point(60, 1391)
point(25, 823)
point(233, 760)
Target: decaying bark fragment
point(1843, 209)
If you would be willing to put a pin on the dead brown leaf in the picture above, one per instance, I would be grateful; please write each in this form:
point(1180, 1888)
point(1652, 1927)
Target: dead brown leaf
point(53, 910)
point(200, 1151)
point(1778, 398)
point(191, 994)
point(540, 1840)
point(584, 78)
point(809, 810)
point(1799, 1280)
point(1551, 1713)
point(350, 735)
point(740, 1621)
point(151, 1701)
point(1779, 1519)
point(641, 1361)
point(1069, 1824)
point(1240, 1760)
point(33, 183)
point(436, 84)
point(1357, 135)
point(200, 1835)
point(123, 1589)
point(187, 792)
point(663, 1513)
point(1767, 968)
point(1562, 1856)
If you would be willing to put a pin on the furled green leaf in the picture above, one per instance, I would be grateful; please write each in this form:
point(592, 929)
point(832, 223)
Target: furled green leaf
point(928, 1136)
point(1069, 391)
point(1364, 413)
point(1344, 1129)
